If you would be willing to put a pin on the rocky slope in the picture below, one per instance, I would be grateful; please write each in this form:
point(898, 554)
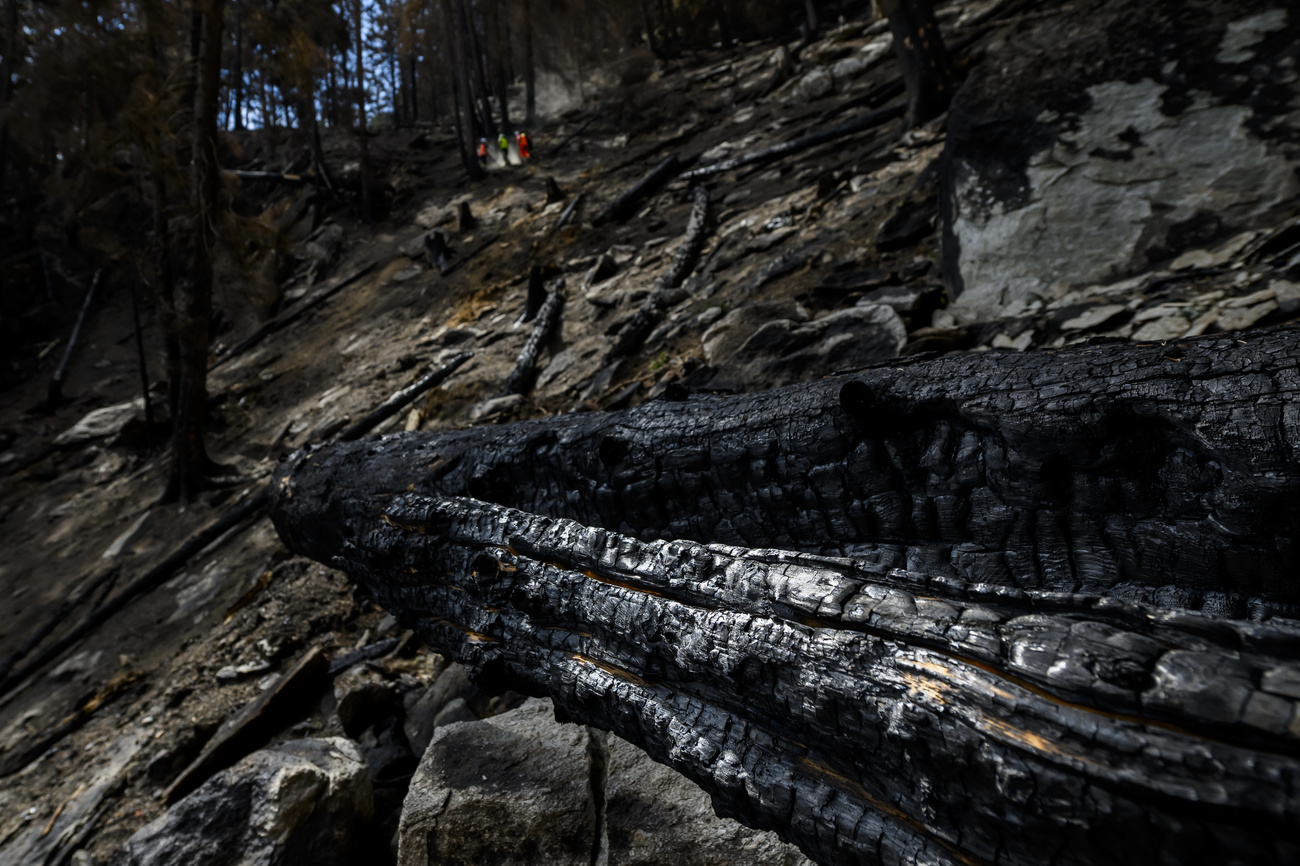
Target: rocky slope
point(1143, 188)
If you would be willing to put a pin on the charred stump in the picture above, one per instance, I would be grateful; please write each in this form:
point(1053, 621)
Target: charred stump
point(982, 608)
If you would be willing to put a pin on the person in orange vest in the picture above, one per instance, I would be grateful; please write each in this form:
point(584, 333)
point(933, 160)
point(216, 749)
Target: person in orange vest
point(525, 150)
point(482, 149)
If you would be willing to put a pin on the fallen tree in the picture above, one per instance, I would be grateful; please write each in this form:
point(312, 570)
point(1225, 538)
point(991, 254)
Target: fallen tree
point(982, 608)
point(643, 322)
point(625, 203)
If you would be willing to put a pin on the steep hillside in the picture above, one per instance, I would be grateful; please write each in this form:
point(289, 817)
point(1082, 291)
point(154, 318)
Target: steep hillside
point(1106, 172)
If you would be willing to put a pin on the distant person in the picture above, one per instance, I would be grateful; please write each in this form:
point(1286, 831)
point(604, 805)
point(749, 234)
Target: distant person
point(504, 144)
point(525, 147)
point(482, 150)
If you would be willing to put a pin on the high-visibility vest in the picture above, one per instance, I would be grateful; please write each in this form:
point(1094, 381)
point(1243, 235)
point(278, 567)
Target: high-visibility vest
point(523, 146)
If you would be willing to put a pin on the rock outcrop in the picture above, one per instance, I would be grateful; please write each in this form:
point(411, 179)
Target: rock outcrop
point(1163, 129)
point(522, 788)
point(299, 802)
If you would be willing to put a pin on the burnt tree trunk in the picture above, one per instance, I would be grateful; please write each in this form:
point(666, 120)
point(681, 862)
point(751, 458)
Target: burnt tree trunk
point(984, 608)
point(363, 137)
point(520, 380)
point(919, 47)
point(237, 74)
point(467, 125)
point(7, 82)
point(530, 73)
point(190, 462)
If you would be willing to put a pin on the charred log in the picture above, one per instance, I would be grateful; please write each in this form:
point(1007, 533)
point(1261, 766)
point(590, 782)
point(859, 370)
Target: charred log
point(652, 309)
point(521, 378)
point(404, 398)
point(862, 123)
point(1157, 473)
point(982, 608)
point(622, 206)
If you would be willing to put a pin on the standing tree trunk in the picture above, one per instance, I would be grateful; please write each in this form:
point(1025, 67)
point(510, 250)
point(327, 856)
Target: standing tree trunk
point(724, 26)
point(190, 463)
point(362, 135)
point(475, 60)
point(926, 69)
point(466, 126)
point(530, 72)
point(237, 74)
point(7, 82)
point(497, 61)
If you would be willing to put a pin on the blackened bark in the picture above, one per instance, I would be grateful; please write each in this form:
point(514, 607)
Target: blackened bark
point(237, 74)
point(190, 463)
point(634, 333)
point(363, 137)
point(467, 126)
point(626, 202)
point(404, 398)
point(521, 378)
point(530, 73)
point(1064, 706)
point(1151, 473)
point(926, 69)
point(7, 82)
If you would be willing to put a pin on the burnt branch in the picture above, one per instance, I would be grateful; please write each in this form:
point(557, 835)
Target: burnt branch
point(636, 331)
point(625, 203)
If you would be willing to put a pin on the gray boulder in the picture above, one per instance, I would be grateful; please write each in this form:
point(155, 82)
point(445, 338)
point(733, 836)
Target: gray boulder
point(655, 815)
point(510, 789)
point(521, 788)
point(102, 423)
point(299, 802)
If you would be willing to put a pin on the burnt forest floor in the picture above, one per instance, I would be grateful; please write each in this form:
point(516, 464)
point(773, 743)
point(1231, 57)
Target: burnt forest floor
point(795, 239)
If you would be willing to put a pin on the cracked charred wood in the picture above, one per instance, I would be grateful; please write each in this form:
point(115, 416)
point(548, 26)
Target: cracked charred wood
point(862, 123)
point(404, 397)
point(868, 714)
point(521, 378)
point(982, 608)
point(1158, 473)
point(652, 309)
point(622, 207)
